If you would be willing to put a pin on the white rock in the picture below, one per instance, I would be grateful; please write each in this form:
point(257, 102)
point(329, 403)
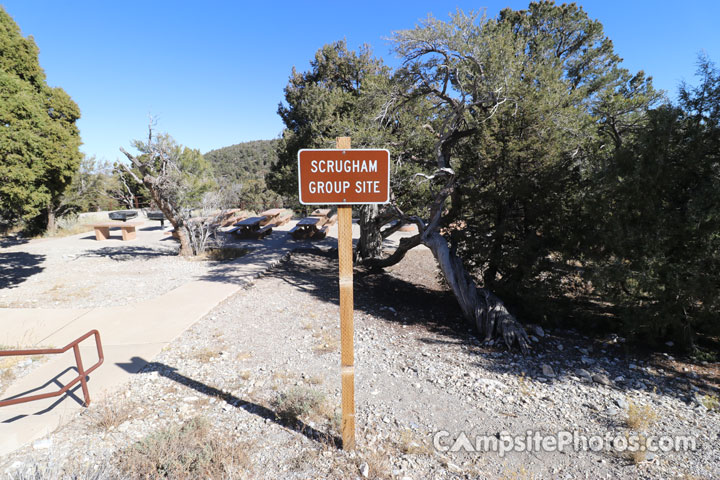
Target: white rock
point(365, 470)
point(42, 444)
point(547, 370)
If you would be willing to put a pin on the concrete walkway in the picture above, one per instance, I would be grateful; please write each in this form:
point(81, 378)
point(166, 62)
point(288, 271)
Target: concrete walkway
point(139, 330)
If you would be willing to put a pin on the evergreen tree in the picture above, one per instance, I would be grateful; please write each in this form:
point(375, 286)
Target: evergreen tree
point(656, 210)
point(39, 144)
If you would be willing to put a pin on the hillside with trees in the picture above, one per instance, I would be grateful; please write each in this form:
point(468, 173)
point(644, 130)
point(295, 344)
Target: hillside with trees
point(246, 164)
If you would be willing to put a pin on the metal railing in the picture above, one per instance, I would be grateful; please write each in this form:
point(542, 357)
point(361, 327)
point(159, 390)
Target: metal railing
point(82, 373)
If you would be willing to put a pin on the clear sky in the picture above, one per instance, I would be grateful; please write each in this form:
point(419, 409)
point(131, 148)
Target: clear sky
point(213, 72)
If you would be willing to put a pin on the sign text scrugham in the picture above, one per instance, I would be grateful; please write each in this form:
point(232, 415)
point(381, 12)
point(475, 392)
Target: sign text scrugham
point(328, 177)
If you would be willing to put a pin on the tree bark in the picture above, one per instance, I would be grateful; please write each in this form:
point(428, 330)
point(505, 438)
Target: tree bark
point(479, 305)
point(51, 226)
point(371, 241)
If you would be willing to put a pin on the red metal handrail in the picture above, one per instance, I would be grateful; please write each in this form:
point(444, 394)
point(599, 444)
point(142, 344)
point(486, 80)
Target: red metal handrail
point(82, 373)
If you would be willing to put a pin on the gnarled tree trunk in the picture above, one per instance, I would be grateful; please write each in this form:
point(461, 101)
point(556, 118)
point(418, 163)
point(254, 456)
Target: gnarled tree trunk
point(479, 305)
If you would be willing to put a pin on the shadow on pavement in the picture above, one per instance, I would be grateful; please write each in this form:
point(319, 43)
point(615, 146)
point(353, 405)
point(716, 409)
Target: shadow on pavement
point(55, 380)
point(123, 253)
point(16, 267)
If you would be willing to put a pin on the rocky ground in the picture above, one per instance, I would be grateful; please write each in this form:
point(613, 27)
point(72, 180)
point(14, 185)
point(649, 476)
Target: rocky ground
point(252, 390)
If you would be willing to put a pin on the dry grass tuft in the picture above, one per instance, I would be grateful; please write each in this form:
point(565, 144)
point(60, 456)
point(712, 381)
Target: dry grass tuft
point(326, 342)
point(243, 356)
point(206, 354)
point(410, 444)
point(711, 402)
point(640, 417)
point(298, 402)
point(523, 385)
point(315, 380)
point(61, 292)
point(8, 364)
point(516, 473)
point(110, 413)
point(638, 455)
point(378, 464)
point(184, 452)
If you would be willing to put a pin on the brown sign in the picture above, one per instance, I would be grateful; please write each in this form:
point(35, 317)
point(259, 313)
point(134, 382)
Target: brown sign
point(343, 176)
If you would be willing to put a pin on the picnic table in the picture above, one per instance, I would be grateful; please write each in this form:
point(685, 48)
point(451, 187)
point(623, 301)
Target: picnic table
point(123, 215)
point(320, 212)
point(324, 213)
point(156, 215)
point(252, 228)
point(276, 216)
point(309, 228)
point(102, 230)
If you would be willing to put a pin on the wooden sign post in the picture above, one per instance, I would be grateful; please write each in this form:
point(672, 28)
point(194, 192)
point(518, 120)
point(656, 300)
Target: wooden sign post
point(345, 177)
point(347, 328)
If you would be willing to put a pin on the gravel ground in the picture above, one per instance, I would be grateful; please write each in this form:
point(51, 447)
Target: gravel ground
point(419, 371)
point(64, 272)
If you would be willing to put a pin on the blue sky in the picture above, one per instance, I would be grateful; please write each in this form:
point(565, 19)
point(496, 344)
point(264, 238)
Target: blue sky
point(213, 72)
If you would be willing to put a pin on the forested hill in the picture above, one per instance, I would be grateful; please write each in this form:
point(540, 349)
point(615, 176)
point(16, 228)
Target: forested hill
point(243, 161)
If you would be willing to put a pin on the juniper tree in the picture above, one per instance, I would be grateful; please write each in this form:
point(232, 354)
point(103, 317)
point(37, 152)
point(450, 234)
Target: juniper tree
point(39, 141)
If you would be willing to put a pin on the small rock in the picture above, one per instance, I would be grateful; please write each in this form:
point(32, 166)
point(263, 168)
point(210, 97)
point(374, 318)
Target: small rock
point(560, 347)
point(649, 457)
point(538, 330)
point(365, 470)
point(587, 360)
point(612, 411)
point(190, 399)
point(632, 366)
point(547, 370)
point(619, 379)
point(43, 444)
point(622, 403)
point(534, 338)
point(581, 372)
point(670, 344)
point(386, 419)
point(601, 378)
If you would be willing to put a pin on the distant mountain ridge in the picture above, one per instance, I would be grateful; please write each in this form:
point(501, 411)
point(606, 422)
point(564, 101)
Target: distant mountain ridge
point(244, 161)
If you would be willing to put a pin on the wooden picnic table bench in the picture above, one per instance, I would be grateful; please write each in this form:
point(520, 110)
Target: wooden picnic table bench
point(102, 230)
point(276, 216)
point(308, 228)
point(251, 228)
point(320, 212)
